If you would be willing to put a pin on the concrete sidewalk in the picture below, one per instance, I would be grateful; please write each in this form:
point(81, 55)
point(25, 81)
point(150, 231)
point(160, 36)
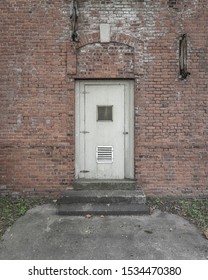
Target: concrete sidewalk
point(42, 234)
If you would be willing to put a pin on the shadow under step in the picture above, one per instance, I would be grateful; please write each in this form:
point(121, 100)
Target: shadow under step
point(121, 208)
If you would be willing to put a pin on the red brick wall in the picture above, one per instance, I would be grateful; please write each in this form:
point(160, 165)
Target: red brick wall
point(38, 66)
point(36, 140)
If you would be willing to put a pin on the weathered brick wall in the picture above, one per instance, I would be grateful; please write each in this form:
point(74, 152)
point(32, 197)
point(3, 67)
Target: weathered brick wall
point(38, 66)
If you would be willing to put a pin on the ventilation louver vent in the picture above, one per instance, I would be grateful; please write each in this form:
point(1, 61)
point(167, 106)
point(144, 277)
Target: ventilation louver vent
point(104, 154)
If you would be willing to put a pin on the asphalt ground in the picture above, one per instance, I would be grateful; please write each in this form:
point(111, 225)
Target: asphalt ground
point(43, 235)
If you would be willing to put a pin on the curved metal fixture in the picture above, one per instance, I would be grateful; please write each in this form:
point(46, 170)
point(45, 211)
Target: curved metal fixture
point(183, 57)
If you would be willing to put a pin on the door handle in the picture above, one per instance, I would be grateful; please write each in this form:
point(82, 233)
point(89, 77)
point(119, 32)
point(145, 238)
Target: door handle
point(125, 133)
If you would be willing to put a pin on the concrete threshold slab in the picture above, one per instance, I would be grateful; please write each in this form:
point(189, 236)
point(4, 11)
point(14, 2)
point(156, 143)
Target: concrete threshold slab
point(105, 185)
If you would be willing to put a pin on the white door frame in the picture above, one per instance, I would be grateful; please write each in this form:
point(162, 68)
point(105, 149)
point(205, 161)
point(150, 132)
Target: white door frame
point(128, 124)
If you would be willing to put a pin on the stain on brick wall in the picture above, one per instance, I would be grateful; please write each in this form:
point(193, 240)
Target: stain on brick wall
point(39, 64)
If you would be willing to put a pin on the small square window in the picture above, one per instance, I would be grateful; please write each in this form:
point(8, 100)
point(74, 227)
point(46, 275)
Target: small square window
point(104, 113)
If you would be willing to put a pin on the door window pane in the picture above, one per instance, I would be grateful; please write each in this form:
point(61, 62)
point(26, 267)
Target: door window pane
point(105, 113)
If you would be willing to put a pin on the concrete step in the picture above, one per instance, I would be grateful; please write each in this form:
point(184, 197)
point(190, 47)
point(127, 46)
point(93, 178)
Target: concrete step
point(122, 208)
point(102, 196)
point(105, 185)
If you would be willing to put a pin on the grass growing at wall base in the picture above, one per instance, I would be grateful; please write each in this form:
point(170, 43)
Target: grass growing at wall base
point(194, 210)
point(12, 208)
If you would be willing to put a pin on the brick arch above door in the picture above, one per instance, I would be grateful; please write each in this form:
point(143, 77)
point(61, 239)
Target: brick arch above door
point(124, 44)
point(111, 60)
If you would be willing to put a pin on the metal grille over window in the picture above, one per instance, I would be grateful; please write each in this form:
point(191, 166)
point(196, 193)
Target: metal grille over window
point(104, 154)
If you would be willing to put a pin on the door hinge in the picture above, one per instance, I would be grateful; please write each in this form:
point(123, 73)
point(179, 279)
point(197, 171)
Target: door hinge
point(84, 131)
point(84, 92)
point(84, 171)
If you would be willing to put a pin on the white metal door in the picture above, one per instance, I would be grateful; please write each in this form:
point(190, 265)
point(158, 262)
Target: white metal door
point(102, 130)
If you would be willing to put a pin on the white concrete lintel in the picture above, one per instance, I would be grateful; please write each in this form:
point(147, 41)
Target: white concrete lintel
point(105, 33)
